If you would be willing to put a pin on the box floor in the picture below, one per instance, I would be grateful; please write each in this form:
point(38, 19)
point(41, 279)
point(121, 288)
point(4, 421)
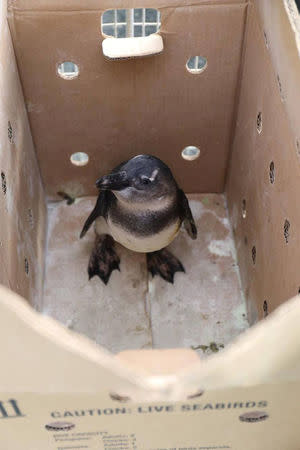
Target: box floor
point(203, 308)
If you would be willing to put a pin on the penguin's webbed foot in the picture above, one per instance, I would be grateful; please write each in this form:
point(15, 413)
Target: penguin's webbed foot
point(103, 259)
point(164, 264)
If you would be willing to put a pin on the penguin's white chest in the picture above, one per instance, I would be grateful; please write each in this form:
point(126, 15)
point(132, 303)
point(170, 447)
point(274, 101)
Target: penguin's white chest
point(136, 243)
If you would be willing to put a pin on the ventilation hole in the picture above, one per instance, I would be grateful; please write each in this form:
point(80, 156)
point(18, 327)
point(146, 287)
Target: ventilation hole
point(30, 217)
point(10, 132)
point(265, 308)
point(196, 64)
point(198, 393)
point(79, 159)
point(59, 426)
point(68, 70)
point(259, 122)
point(244, 211)
point(245, 240)
point(133, 22)
point(26, 265)
point(266, 40)
point(119, 398)
point(298, 148)
point(254, 254)
point(254, 416)
point(286, 230)
point(190, 153)
point(3, 183)
point(280, 87)
point(272, 172)
point(299, 291)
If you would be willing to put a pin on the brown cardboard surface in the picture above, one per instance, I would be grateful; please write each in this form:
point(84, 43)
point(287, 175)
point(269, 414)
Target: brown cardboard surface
point(4, 280)
point(22, 205)
point(212, 422)
point(275, 275)
point(281, 23)
point(117, 109)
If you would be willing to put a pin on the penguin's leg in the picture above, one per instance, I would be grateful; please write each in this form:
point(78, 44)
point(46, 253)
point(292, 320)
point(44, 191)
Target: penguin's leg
point(103, 259)
point(163, 263)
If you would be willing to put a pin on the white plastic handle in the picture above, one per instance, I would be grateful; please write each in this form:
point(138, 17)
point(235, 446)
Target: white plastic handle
point(132, 47)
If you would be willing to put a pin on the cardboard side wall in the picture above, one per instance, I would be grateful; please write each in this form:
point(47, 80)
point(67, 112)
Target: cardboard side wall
point(264, 177)
point(22, 200)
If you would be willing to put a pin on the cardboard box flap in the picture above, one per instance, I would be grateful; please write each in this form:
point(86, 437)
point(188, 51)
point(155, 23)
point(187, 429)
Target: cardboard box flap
point(42, 356)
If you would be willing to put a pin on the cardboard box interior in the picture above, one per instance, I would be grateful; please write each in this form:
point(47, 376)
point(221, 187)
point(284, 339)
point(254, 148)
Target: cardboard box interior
point(243, 114)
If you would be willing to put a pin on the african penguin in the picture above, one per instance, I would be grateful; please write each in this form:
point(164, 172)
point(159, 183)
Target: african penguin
point(140, 206)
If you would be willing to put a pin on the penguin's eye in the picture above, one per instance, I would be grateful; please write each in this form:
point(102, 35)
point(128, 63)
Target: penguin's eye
point(145, 180)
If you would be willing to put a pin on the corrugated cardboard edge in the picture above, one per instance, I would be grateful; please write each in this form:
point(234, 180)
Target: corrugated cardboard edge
point(92, 5)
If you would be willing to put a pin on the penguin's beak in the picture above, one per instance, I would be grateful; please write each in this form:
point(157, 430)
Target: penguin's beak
point(113, 182)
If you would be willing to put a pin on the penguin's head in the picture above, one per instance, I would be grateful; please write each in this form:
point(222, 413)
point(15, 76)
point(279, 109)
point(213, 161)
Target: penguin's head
point(141, 180)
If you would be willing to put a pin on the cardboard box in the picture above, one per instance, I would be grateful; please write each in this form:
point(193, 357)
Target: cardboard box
point(61, 389)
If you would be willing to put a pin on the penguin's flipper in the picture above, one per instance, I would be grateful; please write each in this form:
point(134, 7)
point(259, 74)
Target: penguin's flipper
point(163, 263)
point(99, 210)
point(103, 259)
point(186, 215)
